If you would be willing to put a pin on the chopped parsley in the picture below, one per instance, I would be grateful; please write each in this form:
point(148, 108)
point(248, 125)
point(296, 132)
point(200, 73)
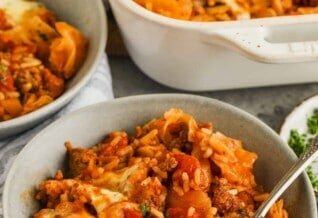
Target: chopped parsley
point(300, 142)
point(145, 210)
point(3, 70)
point(313, 177)
point(242, 212)
point(312, 123)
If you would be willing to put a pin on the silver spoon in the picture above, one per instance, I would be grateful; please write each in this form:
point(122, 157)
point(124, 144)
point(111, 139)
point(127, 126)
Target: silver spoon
point(304, 161)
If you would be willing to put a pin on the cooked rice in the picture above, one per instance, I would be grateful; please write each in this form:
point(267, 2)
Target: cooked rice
point(32, 74)
point(161, 172)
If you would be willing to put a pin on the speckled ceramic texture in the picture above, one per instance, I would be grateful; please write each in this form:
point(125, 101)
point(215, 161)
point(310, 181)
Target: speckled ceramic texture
point(89, 17)
point(45, 153)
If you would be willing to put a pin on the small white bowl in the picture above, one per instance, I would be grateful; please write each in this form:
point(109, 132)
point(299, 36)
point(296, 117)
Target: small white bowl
point(297, 120)
point(90, 18)
point(45, 154)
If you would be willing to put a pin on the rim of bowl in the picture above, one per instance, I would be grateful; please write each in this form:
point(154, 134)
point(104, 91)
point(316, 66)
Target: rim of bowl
point(70, 93)
point(246, 115)
point(186, 24)
point(281, 128)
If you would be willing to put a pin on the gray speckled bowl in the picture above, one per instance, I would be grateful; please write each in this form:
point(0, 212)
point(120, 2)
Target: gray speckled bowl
point(89, 17)
point(46, 153)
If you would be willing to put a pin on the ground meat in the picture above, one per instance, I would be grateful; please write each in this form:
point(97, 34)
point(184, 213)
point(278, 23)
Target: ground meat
point(79, 159)
point(227, 199)
point(150, 192)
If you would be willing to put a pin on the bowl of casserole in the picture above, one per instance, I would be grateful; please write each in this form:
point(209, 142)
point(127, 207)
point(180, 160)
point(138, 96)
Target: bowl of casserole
point(189, 54)
point(48, 51)
point(168, 155)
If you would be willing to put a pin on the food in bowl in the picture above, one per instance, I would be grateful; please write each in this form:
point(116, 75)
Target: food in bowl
point(300, 141)
point(38, 54)
point(224, 10)
point(171, 167)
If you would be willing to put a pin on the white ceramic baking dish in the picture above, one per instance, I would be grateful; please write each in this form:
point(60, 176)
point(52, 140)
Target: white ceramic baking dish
point(220, 55)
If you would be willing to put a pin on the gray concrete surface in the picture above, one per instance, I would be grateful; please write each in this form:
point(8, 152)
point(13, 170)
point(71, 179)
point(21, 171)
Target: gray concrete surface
point(270, 104)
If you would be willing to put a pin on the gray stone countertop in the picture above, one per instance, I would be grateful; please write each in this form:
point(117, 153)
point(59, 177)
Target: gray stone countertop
point(270, 104)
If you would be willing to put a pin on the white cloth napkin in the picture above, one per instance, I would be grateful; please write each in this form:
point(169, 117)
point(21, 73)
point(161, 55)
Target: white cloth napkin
point(98, 89)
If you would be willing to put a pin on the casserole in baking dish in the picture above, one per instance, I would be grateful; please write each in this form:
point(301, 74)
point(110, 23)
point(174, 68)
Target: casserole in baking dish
point(220, 55)
point(225, 10)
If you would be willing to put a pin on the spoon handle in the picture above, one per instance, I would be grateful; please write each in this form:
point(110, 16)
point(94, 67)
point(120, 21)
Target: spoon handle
point(304, 161)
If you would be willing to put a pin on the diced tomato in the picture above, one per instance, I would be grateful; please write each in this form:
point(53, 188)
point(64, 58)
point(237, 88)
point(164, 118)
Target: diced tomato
point(4, 24)
point(6, 82)
point(187, 163)
point(54, 84)
point(176, 212)
point(110, 148)
point(131, 213)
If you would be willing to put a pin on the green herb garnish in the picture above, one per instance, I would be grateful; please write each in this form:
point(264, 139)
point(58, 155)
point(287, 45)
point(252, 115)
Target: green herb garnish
point(312, 123)
point(313, 178)
point(145, 209)
point(3, 70)
point(242, 212)
point(300, 142)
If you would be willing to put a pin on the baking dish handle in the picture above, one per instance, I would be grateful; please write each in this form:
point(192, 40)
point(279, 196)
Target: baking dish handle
point(252, 43)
